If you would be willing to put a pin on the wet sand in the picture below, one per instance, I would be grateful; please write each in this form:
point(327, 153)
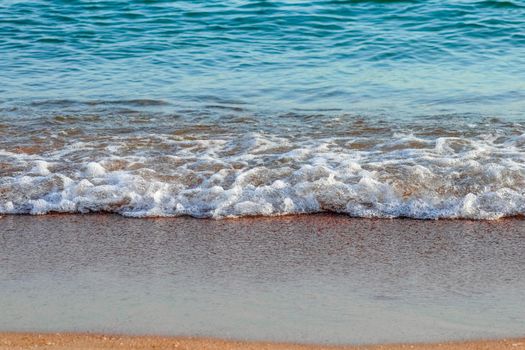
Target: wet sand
point(319, 279)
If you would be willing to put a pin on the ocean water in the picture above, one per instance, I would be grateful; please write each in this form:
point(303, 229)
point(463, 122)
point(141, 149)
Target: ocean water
point(234, 108)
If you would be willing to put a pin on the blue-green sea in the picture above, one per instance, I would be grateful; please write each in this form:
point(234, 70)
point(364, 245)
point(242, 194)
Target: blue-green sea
point(234, 108)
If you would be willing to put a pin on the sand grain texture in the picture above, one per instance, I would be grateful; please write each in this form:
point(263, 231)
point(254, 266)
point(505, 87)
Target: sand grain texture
point(57, 341)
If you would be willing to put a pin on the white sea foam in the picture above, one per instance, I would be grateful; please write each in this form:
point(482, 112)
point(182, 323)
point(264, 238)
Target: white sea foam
point(405, 175)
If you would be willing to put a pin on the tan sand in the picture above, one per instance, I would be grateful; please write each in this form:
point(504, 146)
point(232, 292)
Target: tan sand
point(94, 341)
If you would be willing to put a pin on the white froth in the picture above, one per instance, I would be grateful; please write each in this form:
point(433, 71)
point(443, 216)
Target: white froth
point(94, 169)
point(40, 168)
point(259, 174)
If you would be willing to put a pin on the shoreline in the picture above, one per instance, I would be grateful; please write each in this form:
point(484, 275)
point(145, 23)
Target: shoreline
point(81, 341)
point(319, 214)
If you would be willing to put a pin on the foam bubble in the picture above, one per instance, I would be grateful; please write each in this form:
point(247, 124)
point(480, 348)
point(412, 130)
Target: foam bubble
point(94, 169)
point(40, 168)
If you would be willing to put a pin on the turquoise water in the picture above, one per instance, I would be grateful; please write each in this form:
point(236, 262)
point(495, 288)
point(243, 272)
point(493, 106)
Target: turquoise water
point(355, 56)
point(232, 108)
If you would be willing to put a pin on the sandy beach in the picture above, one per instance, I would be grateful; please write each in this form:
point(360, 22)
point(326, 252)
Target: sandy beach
point(13, 341)
point(317, 279)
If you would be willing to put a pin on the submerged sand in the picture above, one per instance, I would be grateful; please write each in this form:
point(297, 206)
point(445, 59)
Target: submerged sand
point(318, 279)
point(14, 341)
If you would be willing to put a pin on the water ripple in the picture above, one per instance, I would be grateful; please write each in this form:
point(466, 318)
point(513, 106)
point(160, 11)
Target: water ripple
point(265, 51)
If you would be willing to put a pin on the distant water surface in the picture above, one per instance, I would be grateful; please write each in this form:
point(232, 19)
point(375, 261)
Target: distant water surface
point(232, 108)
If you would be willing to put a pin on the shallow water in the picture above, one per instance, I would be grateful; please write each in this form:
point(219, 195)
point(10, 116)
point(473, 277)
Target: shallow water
point(302, 279)
point(221, 109)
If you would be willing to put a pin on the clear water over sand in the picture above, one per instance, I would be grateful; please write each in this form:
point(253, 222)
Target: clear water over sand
point(306, 279)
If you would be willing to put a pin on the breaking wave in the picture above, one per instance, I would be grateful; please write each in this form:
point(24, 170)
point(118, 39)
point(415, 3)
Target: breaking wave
point(473, 170)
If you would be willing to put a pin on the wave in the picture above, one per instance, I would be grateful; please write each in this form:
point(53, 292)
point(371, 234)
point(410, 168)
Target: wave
point(361, 171)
